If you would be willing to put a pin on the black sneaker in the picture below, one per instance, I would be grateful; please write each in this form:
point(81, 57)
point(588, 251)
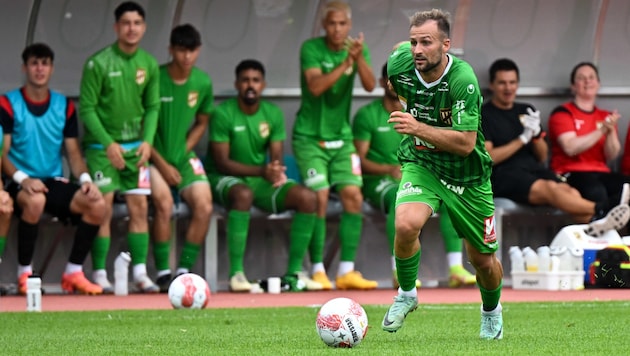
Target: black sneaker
point(164, 282)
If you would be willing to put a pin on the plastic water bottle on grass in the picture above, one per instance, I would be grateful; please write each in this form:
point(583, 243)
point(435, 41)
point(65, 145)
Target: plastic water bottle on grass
point(121, 273)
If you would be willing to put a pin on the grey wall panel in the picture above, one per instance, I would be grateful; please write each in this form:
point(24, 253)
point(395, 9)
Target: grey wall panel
point(13, 27)
point(613, 57)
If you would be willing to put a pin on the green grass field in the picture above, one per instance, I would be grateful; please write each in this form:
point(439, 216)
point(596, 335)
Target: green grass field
point(576, 328)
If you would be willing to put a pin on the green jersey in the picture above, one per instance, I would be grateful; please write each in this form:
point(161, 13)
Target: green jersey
point(325, 117)
point(249, 136)
point(119, 97)
point(452, 102)
point(370, 124)
point(179, 105)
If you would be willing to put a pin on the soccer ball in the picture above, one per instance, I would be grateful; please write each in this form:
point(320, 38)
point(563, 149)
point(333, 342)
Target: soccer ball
point(189, 291)
point(341, 322)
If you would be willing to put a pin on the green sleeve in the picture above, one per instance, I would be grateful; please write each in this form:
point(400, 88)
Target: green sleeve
point(466, 98)
point(219, 130)
point(278, 131)
point(208, 100)
point(89, 93)
point(151, 102)
point(309, 55)
point(360, 125)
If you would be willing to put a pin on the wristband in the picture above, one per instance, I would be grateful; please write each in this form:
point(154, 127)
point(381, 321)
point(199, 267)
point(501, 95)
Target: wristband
point(85, 178)
point(19, 177)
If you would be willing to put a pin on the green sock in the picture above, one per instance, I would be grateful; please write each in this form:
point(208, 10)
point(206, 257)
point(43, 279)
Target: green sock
point(161, 250)
point(350, 226)
point(318, 240)
point(138, 243)
point(490, 298)
point(190, 251)
point(100, 248)
point(452, 242)
point(3, 242)
point(407, 271)
point(300, 235)
point(237, 228)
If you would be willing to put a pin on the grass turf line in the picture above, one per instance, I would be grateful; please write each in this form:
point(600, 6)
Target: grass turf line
point(594, 328)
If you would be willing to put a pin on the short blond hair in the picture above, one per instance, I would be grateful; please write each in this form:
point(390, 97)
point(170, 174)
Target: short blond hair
point(334, 6)
point(441, 17)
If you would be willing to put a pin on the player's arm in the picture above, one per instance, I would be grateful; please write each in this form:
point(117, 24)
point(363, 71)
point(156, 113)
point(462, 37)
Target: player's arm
point(89, 93)
point(227, 166)
point(151, 102)
point(499, 154)
point(370, 167)
point(364, 69)
point(317, 81)
point(197, 131)
point(561, 122)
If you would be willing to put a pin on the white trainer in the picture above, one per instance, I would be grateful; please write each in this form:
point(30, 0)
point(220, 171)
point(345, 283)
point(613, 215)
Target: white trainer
point(309, 283)
point(616, 219)
point(239, 283)
point(99, 277)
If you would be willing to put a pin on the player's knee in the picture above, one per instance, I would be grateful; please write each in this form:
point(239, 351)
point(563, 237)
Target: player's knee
point(306, 200)
point(407, 228)
point(241, 197)
point(33, 206)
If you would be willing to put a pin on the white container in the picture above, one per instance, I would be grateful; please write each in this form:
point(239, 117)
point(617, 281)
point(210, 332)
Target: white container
point(121, 274)
point(34, 294)
point(531, 259)
point(544, 258)
point(273, 285)
point(516, 259)
point(548, 280)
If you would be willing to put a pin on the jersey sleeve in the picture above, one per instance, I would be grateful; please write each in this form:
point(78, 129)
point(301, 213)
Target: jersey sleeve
point(91, 83)
point(207, 103)
point(465, 100)
point(360, 125)
point(151, 102)
point(399, 61)
point(309, 56)
point(560, 121)
point(219, 130)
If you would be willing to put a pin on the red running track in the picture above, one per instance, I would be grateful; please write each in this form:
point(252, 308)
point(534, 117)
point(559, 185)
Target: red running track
point(233, 300)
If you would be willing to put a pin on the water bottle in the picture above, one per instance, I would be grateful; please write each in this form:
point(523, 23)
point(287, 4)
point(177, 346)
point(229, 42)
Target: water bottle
point(121, 273)
point(531, 259)
point(544, 258)
point(516, 259)
point(34, 294)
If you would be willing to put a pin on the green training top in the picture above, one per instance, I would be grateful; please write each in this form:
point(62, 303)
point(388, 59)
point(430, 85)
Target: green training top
point(179, 105)
point(325, 117)
point(370, 124)
point(119, 97)
point(249, 136)
point(451, 103)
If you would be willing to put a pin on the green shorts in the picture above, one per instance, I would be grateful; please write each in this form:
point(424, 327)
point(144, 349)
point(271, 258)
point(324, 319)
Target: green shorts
point(379, 190)
point(192, 171)
point(326, 164)
point(471, 208)
point(266, 197)
point(130, 180)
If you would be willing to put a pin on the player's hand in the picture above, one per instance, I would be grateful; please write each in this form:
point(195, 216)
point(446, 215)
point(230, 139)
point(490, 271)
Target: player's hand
point(280, 180)
point(115, 155)
point(91, 191)
point(404, 123)
point(395, 172)
point(33, 186)
point(171, 175)
point(144, 151)
point(355, 46)
point(6, 203)
point(527, 135)
point(274, 172)
point(532, 120)
point(611, 121)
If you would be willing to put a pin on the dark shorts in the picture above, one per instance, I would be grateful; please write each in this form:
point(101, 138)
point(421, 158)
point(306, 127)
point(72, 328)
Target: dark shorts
point(60, 194)
point(514, 183)
point(601, 187)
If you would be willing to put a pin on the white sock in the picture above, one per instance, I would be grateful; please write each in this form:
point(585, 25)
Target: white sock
point(163, 273)
point(182, 270)
point(139, 270)
point(318, 267)
point(410, 293)
point(22, 269)
point(454, 259)
point(345, 267)
point(73, 267)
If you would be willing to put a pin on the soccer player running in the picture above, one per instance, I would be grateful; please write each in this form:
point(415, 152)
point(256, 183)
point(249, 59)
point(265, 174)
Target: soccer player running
point(376, 142)
point(242, 131)
point(322, 137)
point(118, 103)
point(186, 102)
point(38, 123)
point(444, 162)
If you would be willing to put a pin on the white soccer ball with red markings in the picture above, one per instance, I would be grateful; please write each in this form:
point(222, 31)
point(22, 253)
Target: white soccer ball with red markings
point(341, 322)
point(189, 291)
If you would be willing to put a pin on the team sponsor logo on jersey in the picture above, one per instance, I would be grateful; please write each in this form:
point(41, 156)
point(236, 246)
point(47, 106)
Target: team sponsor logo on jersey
point(239, 128)
point(114, 74)
point(424, 92)
point(459, 190)
point(141, 76)
point(263, 129)
point(405, 80)
point(193, 96)
point(327, 65)
point(443, 86)
point(489, 234)
point(470, 89)
point(383, 129)
point(407, 189)
point(166, 99)
point(446, 116)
